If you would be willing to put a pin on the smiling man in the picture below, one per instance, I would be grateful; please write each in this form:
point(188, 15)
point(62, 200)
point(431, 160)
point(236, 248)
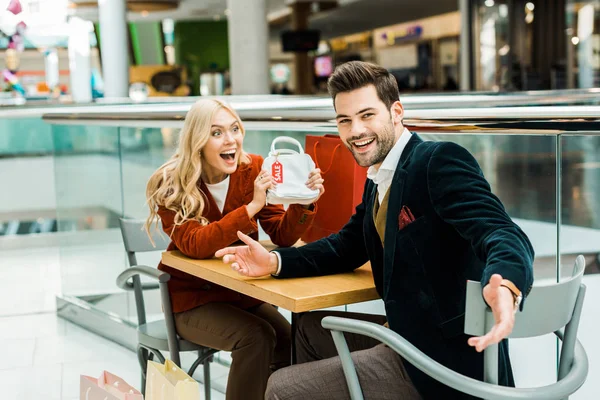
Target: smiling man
point(428, 222)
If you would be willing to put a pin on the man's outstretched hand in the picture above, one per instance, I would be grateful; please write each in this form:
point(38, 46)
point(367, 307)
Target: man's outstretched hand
point(502, 303)
point(250, 260)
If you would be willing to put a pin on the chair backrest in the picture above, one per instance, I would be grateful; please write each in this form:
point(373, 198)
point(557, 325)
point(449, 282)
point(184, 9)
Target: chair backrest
point(548, 309)
point(534, 320)
point(136, 239)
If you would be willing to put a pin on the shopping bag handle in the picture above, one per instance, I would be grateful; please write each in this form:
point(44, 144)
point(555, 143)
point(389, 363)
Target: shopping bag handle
point(286, 139)
point(323, 170)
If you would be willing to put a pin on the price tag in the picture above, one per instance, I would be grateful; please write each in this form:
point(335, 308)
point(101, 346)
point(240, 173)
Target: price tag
point(277, 172)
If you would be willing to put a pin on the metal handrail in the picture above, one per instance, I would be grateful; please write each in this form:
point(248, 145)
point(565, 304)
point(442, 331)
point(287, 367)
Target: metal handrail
point(321, 108)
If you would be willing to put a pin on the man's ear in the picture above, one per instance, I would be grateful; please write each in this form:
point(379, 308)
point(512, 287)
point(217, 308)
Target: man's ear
point(397, 112)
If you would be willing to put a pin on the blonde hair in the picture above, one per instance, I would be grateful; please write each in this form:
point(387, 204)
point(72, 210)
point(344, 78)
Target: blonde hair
point(175, 184)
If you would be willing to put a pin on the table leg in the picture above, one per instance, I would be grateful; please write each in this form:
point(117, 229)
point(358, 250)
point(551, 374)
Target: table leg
point(294, 327)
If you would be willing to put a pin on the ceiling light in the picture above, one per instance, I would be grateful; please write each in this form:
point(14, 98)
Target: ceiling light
point(575, 40)
point(489, 3)
point(503, 10)
point(529, 18)
point(530, 6)
point(504, 50)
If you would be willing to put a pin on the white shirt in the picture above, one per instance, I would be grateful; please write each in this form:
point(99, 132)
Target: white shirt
point(383, 176)
point(218, 191)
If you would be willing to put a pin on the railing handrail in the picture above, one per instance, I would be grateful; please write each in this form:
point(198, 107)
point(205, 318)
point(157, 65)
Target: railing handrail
point(171, 110)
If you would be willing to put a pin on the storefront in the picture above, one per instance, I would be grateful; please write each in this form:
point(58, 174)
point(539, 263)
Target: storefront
point(524, 44)
point(357, 46)
point(422, 54)
point(583, 43)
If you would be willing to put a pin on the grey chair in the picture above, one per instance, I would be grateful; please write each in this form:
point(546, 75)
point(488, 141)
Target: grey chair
point(156, 336)
point(554, 308)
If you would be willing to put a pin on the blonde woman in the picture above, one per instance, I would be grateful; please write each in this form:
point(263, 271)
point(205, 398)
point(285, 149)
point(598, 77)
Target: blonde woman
point(208, 191)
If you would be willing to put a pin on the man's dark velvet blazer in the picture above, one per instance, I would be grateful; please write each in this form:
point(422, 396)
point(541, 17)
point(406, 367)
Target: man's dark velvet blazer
point(460, 231)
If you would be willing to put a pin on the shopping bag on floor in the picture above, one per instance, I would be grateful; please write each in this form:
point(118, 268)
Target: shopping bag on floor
point(106, 387)
point(169, 382)
point(344, 184)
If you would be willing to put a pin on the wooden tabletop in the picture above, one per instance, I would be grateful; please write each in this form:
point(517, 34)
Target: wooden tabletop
point(296, 295)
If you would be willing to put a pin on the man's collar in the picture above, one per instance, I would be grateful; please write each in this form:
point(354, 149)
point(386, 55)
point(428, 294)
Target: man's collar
point(393, 157)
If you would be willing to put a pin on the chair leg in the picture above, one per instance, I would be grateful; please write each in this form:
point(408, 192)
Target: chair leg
point(141, 354)
point(143, 387)
point(207, 378)
point(159, 356)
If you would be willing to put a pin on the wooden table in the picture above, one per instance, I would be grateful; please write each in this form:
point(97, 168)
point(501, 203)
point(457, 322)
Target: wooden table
point(296, 295)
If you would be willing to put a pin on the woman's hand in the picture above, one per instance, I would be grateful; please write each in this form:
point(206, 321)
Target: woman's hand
point(315, 182)
point(263, 181)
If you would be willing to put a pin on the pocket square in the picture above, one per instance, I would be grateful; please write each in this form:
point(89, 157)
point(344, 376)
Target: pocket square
point(405, 218)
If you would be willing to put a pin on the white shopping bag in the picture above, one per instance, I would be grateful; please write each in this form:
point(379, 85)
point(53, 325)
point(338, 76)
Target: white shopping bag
point(290, 169)
point(169, 382)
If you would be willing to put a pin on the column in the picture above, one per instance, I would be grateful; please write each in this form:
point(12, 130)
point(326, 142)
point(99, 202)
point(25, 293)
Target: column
point(79, 60)
point(51, 67)
point(113, 46)
point(248, 32)
point(585, 48)
point(465, 45)
point(302, 66)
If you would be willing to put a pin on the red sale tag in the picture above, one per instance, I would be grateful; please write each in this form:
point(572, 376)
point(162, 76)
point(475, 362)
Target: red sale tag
point(277, 172)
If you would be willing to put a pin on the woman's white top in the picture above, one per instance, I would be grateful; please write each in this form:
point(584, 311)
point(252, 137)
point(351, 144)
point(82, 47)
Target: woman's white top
point(218, 191)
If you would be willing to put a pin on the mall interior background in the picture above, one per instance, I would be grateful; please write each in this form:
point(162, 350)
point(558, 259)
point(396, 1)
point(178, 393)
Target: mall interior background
point(67, 175)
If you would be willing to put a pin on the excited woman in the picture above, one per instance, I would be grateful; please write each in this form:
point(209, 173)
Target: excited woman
point(208, 191)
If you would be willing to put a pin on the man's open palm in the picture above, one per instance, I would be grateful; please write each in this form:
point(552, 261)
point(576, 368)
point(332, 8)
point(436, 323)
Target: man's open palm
point(501, 301)
point(250, 260)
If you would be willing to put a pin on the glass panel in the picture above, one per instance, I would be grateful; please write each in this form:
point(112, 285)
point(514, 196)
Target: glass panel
point(28, 256)
point(26, 151)
point(580, 209)
point(580, 232)
point(26, 136)
point(583, 35)
point(521, 171)
point(143, 150)
point(89, 203)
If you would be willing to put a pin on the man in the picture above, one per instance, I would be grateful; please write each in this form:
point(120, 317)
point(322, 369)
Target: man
point(428, 222)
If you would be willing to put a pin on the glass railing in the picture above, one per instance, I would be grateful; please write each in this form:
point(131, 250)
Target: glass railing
point(103, 175)
point(542, 162)
point(27, 143)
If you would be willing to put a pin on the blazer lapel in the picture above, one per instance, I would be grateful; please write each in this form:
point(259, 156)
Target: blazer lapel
point(369, 223)
point(395, 200)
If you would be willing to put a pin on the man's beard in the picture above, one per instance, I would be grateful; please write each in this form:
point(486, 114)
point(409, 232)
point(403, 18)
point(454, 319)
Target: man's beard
point(384, 141)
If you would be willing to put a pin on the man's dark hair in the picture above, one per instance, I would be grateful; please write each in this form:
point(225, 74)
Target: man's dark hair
point(357, 74)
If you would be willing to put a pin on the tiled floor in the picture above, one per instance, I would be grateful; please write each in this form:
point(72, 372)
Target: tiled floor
point(45, 355)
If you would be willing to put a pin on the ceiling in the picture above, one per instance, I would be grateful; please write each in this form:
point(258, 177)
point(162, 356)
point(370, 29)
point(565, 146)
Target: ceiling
point(363, 15)
point(350, 17)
